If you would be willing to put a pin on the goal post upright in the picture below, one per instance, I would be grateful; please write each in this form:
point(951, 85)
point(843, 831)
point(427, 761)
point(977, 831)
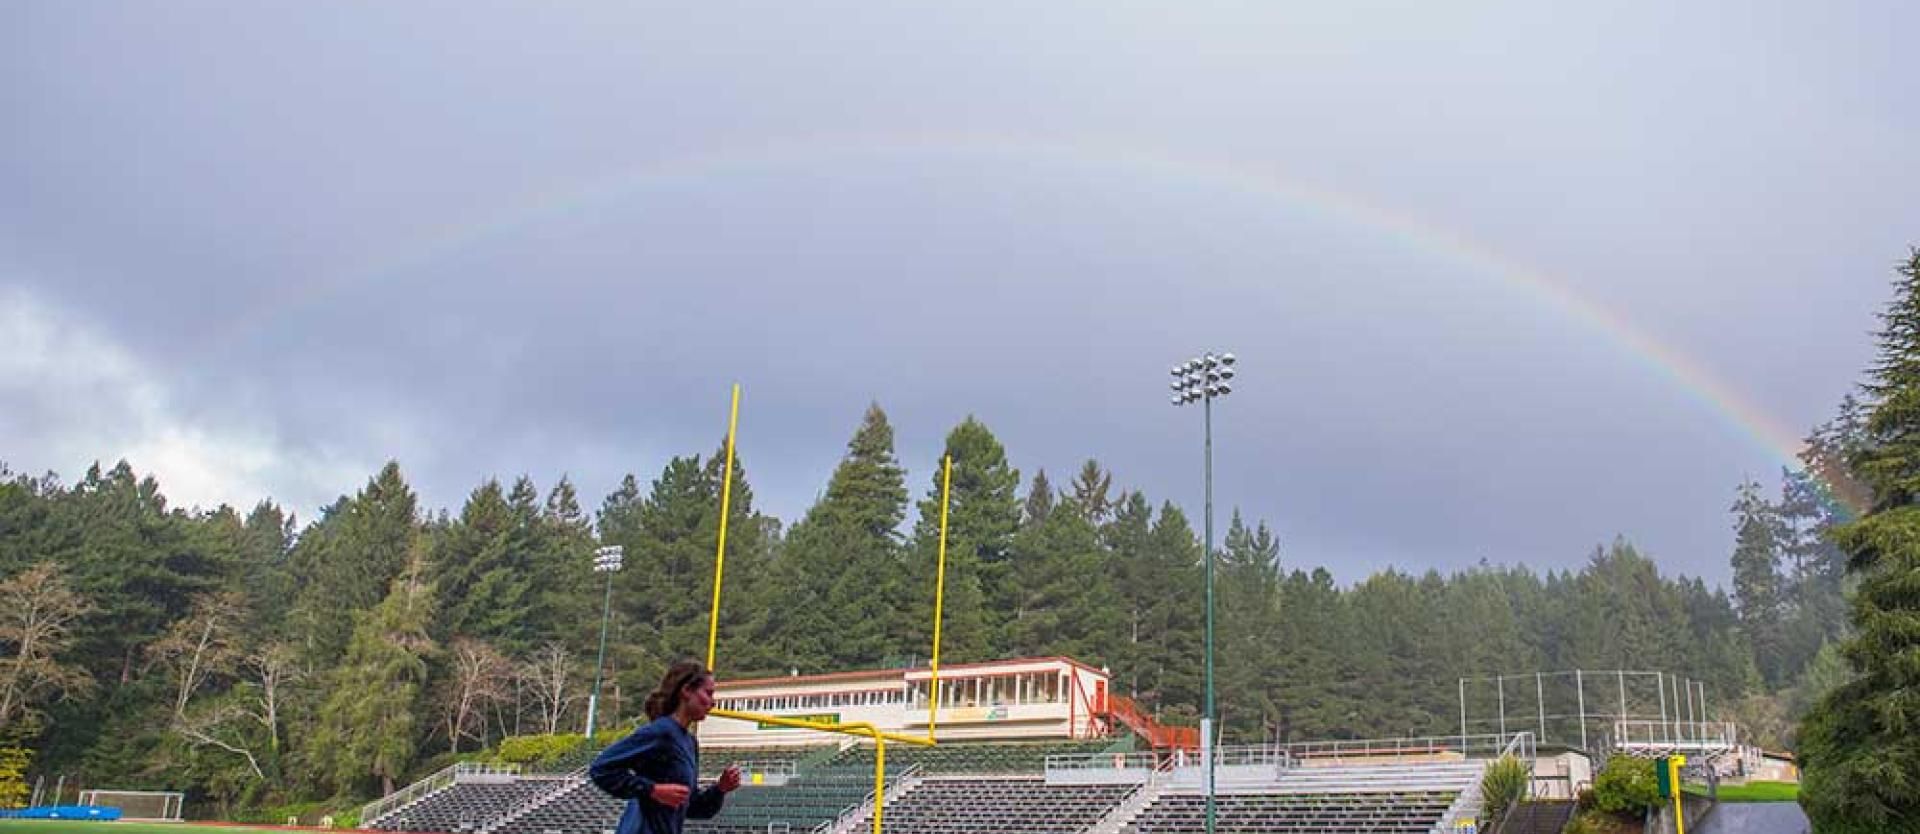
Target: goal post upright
point(858, 728)
point(720, 557)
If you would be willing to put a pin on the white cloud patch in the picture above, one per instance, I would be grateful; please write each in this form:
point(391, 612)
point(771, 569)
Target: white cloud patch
point(73, 396)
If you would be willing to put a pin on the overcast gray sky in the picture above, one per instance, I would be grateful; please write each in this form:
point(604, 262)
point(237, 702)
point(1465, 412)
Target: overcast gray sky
point(1506, 278)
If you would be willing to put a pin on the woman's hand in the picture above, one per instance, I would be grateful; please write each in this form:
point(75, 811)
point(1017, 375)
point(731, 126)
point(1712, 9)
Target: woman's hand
point(670, 794)
point(729, 779)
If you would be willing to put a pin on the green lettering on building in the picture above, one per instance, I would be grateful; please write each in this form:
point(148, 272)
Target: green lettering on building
point(817, 718)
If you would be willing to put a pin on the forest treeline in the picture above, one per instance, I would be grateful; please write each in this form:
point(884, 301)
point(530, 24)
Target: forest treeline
point(251, 659)
point(256, 660)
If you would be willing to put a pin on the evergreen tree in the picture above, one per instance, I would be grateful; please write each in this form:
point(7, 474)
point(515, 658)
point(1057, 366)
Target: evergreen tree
point(1860, 745)
point(348, 564)
point(984, 515)
point(1247, 631)
point(566, 592)
point(1090, 489)
point(841, 563)
point(1039, 503)
point(481, 571)
point(369, 729)
point(1814, 501)
point(1756, 578)
point(1172, 623)
point(268, 538)
point(1129, 540)
point(1062, 590)
point(664, 595)
point(1311, 659)
point(137, 562)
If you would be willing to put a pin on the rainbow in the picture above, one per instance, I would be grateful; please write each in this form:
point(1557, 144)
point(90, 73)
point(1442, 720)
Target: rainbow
point(1674, 368)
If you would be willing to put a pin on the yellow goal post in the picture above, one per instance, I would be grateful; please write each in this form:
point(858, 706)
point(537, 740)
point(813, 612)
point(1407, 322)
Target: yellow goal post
point(858, 728)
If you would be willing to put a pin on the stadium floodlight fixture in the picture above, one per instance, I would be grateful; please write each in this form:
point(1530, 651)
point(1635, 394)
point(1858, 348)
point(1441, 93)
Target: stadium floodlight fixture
point(1202, 379)
point(607, 560)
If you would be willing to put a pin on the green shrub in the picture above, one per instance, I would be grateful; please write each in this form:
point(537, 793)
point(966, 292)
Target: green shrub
point(525, 750)
point(13, 776)
point(1505, 783)
point(1581, 825)
point(308, 813)
point(1626, 785)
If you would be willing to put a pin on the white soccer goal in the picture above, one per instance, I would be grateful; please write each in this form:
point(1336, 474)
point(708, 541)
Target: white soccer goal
point(157, 806)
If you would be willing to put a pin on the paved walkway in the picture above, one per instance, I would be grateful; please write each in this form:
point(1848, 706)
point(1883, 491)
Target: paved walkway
point(1754, 818)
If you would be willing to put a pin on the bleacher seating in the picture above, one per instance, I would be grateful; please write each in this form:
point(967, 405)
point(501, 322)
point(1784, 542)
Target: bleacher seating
point(1318, 813)
point(581, 809)
point(1403, 797)
point(820, 795)
point(967, 806)
point(961, 757)
point(464, 806)
point(715, 759)
point(712, 761)
point(1321, 798)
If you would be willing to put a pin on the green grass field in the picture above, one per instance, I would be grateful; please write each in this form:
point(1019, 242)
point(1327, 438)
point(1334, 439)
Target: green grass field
point(83, 827)
point(1750, 792)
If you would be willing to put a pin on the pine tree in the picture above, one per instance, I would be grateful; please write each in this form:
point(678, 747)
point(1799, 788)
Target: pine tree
point(1062, 590)
point(368, 729)
point(1813, 501)
point(1128, 538)
point(663, 596)
point(1039, 503)
point(1090, 489)
point(566, 593)
point(347, 566)
point(1245, 650)
point(984, 515)
point(1756, 578)
point(268, 538)
point(841, 564)
point(1173, 621)
point(479, 571)
point(1860, 746)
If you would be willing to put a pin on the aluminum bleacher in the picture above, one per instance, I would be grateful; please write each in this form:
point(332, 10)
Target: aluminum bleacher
point(1318, 798)
point(464, 806)
point(966, 806)
point(964, 788)
point(819, 796)
point(1005, 758)
point(1321, 813)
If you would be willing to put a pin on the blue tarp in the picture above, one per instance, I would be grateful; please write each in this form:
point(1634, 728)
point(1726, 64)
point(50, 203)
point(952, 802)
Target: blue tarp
point(102, 813)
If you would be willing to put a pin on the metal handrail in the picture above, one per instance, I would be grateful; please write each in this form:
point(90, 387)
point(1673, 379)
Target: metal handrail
point(1402, 746)
point(439, 779)
point(904, 777)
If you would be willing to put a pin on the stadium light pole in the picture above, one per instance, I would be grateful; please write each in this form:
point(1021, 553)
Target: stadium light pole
point(606, 560)
point(1200, 380)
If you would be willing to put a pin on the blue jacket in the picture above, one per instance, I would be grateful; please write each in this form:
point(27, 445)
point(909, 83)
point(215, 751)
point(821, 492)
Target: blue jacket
point(660, 751)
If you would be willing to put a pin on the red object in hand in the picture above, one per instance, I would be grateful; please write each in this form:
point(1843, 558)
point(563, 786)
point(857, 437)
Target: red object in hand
point(670, 794)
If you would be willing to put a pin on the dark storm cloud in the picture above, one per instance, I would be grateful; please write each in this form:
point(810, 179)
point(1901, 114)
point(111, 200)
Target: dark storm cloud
point(490, 240)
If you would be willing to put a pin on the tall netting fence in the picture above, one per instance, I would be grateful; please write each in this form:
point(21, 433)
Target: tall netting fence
point(1582, 709)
